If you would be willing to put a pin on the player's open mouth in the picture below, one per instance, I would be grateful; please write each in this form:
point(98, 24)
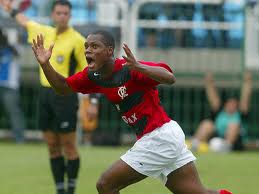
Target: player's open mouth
point(90, 61)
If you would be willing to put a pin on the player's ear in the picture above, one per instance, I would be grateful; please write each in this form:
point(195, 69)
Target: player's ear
point(110, 51)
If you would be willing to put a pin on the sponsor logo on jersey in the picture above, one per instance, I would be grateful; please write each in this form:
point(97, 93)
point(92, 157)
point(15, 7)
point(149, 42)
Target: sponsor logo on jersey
point(118, 107)
point(130, 120)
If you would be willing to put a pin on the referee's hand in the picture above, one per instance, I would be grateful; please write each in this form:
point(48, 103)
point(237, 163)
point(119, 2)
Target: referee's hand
point(42, 55)
point(6, 5)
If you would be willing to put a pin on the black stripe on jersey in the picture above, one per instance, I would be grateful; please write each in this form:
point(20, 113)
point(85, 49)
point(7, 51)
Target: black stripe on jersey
point(72, 63)
point(140, 125)
point(118, 79)
point(129, 102)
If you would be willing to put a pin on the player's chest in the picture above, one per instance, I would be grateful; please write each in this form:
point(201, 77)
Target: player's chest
point(118, 94)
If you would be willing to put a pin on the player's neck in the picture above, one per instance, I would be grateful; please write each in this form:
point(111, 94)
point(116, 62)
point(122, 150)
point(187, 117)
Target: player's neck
point(108, 68)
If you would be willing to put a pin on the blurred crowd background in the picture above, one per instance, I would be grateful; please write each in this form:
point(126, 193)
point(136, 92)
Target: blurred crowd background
point(193, 36)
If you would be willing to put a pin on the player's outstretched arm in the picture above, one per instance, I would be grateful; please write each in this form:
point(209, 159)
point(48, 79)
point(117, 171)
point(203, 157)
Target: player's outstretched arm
point(20, 18)
point(159, 74)
point(246, 92)
point(57, 81)
point(212, 93)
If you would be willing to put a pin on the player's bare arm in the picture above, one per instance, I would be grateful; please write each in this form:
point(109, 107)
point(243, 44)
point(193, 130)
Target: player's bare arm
point(159, 74)
point(20, 18)
point(57, 81)
point(212, 93)
point(246, 92)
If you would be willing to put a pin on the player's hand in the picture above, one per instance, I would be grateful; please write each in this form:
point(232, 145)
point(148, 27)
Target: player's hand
point(131, 62)
point(247, 76)
point(6, 5)
point(209, 78)
point(42, 55)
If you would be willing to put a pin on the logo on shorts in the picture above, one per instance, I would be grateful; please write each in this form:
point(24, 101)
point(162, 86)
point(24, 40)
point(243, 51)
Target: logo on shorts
point(64, 124)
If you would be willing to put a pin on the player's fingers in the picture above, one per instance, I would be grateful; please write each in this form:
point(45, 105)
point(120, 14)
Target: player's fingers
point(126, 46)
point(34, 43)
point(51, 47)
point(125, 49)
point(41, 40)
point(34, 50)
point(128, 52)
point(38, 41)
point(128, 49)
point(126, 58)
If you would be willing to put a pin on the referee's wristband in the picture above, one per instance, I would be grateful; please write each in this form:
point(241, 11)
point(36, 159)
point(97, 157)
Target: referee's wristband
point(14, 12)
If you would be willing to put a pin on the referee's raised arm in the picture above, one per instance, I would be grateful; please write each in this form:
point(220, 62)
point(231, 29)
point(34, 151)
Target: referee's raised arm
point(15, 13)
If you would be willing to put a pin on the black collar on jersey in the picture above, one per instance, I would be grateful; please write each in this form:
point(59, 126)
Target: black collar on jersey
point(118, 78)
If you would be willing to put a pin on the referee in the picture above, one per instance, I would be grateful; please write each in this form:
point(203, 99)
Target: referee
point(58, 114)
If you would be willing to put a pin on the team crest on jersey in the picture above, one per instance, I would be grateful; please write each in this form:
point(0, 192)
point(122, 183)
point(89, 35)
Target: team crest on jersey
point(122, 92)
point(60, 59)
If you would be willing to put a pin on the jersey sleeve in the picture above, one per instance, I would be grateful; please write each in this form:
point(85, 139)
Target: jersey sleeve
point(80, 54)
point(34, 28)
point(80, 82)
point(142, 78)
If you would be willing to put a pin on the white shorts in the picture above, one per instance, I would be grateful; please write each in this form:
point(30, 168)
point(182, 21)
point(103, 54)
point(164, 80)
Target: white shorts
point(160, 152)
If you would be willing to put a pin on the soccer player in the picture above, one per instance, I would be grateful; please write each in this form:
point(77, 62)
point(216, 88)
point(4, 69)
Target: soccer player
point(130, 85)
point(58, 114)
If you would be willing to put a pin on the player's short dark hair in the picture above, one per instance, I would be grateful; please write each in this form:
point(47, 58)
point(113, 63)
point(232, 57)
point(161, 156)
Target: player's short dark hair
point(108, 38)
point(61, 2)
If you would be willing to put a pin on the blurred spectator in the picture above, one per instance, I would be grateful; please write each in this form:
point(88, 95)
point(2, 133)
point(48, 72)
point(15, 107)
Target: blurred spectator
point(251, 3)
point(165, 35)
point(187, 15)
point(91, 7)
point(227, 121)
point(233, 12)
point(214, 13)
point(199, 34)
point(151, 38)
point(130, 2)
point(88, 117)
point(9, 87)
point(79, 11)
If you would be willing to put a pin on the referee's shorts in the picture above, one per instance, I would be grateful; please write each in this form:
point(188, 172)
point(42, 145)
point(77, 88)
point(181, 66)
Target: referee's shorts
point(57, 113)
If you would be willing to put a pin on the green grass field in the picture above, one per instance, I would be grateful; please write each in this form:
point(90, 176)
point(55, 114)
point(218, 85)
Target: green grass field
point(25, 170)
